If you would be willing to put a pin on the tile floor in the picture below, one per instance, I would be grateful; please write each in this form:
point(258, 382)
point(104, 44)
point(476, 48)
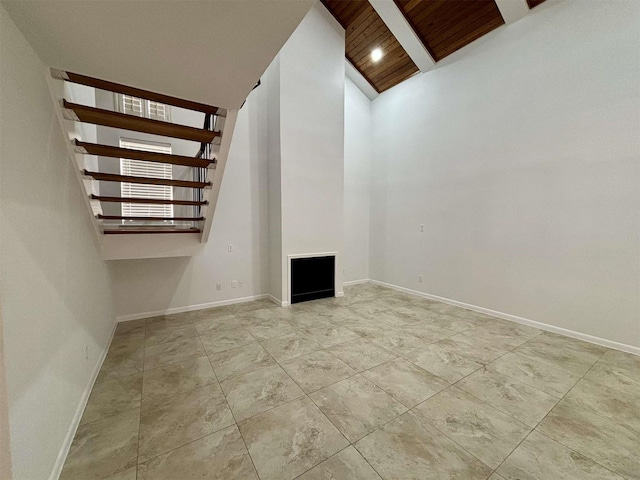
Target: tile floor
point(377, 384)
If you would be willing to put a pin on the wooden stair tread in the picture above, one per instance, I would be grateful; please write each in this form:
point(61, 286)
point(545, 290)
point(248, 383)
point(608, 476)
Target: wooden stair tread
point(125, 231)
point(118, 152)
point(154, 201)
point(150, 219)
point(107, 118)
point(135, 92)
point(110, 177)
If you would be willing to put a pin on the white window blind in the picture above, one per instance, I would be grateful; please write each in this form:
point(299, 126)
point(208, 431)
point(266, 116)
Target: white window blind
point(139, 168)
point(142, 108)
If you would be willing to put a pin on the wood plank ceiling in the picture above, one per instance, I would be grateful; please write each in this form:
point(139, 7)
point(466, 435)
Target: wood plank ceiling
point(443, 26)
point(366, 31)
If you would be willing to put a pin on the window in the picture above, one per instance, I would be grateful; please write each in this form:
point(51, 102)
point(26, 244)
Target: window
point(142, 108)
point(139, 168)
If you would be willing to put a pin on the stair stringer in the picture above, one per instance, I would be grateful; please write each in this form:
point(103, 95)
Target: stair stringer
point(70, 132)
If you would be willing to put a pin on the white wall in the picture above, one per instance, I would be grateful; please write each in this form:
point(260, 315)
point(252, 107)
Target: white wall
point(57, 312)
point(271, 90)
point(156, 285)
point(357, 180)
point(312, 140)
point(521, 156)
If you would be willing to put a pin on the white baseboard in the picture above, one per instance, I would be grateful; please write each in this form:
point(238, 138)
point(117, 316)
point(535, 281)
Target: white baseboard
point(277, 301)
point(77, 416)
point(514, 318)
point(190, 308)
point(355, 282)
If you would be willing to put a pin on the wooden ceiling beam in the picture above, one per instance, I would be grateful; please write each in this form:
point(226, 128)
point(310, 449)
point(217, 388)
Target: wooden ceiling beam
point(404, 33)
point(512, 10)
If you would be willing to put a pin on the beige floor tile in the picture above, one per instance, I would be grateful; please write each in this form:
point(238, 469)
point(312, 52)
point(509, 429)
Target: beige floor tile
point(103, 448)
point(241, 308)
point(409, 448)
point(216, 325)
point(172, 352)
point(356, 406)
point(539, 457)
point(210, 313)
point(365, 327)
point(179, 377)
point(128, 474)
point(443, 362)
point(274, 327)
point(398, 342)
point(158, 336)
point(219, 342)
point(290, 346)
point(169, 423)
point(567, 355)
point(508, 375)
point(347, 464)
point(368, 308)
point(613, 376)
point(392, 318)
point(361, 354)
point(122, 365)
point(562, 341)
point(536, 373)
point(330, 335)
point(607, 443)
point(506, 337)
point(316, 370)
point(473, 348)
point(414, 311)
point(260, 315)
point(625, 362)
point(111, 397)
point(525, 403)
point(219, 456)
point(167, 321)
point(130, 327)
point(405, 382)
point(240, 360)
point(448, 323)
point(485, 432)
point(258, 391)
point(606, 402)
point(290, 439)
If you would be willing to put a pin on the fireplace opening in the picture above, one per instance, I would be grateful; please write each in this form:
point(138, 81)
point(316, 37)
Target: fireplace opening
point(312, 278)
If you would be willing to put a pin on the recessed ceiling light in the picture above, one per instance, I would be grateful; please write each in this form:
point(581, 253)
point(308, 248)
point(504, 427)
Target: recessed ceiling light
point(376, 54)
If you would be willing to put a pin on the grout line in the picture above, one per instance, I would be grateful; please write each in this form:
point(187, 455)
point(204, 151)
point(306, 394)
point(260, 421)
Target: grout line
point(337, 322)
point(235, 421)
point(548, 413)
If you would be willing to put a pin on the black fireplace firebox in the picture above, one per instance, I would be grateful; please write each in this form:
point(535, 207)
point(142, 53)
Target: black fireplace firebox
point(312, 278)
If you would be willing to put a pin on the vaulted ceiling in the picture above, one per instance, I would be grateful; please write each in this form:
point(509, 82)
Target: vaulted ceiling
point(412, 35)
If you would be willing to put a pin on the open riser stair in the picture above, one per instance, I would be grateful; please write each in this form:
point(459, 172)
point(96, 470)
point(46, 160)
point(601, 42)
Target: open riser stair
point(153, 199)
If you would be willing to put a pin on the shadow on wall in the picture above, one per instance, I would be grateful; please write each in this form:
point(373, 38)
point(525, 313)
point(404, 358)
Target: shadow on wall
point(150, 284)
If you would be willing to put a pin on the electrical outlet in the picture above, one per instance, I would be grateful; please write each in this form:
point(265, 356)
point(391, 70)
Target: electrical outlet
point(239, 283)
point(422, 228)
point(234, 283)
point(230, 248)
point(420, 278)
point(218, 286)
point(86, 352)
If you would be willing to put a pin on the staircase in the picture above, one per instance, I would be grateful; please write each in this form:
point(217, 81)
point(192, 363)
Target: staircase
point(138, 225)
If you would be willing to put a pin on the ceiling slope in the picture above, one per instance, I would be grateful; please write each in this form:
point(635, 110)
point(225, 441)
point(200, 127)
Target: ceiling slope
point(365, 31)
point(208, 51)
